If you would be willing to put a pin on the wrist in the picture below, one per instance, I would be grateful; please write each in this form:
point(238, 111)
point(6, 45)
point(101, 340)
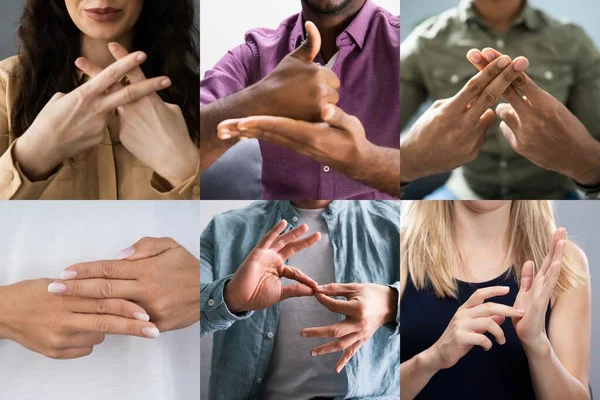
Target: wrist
point(392, 305)
point(428, 361)
point(37, 161)
point(4, 329)
point(538, 348)
point(230, 301)
point(586, 168)
point(409, 170)
point(184, 169)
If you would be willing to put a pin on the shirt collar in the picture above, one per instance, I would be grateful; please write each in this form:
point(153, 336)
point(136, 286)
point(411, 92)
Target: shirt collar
point(528, 16)
point(288, 212)
point(357, 29)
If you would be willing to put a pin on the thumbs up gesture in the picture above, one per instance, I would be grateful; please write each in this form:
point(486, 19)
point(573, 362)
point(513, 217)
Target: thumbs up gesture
point(298, 88)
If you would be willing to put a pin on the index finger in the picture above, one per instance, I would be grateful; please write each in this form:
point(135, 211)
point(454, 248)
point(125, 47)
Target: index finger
point(301, 132)
point(111, 324)
point(490, 309)
point(298, 245)
point(114, 72)
point(107, 269)
point(119, 52)
point(299, 276)
point(483, 294)
point(270, 236)
point(337, 306)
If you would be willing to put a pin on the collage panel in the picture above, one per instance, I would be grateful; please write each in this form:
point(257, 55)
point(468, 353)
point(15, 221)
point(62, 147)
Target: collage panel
point(299, 300)
point(99, 300)
point(499, 300)
point(499, 100)
point(316, 82)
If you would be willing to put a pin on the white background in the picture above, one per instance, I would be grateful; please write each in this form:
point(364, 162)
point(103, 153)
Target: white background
point(223, 23)
point(40, 239)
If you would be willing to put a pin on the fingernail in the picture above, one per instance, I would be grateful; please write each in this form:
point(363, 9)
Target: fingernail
point(521, 65)
point(141, 57)
point(151, 333)
point(313, 353)
point(520, 311)
point(68, 274)
point(126, 253)
point(56, 287)
point(302, 334)
point(489, 54)
point(242, 128)
point(142, 317)
point(225, 136)
point(504, 61)
point(473, 55)
point(165, 83)
point(505, 288)
point(328, 112)
point(111, 45)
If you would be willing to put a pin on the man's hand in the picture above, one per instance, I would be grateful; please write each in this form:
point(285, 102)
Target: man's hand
point(257, 284)
point(368, 307)
point(65, 327)
point(158, 274)
point(541, 128)
point(452, 131)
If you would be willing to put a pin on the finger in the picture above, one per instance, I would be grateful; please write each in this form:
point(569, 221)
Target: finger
point(498, 319)
point(483, 294)
point(509, 135)
point(558, 235)
point(551, 279)
point(337, 118)
point(111, 324)
point(338, 345)
point(148, 247)
point(339, 289)
point(348, 354)
point(270, 236)
point(476, 85)
point(481, 325)
point(114, 72)
point(281, 240)
point(527, 274)
point(299, 276)
point(99, 289)
point(228, 128)
point(88, 67)
point(490, 95)
point(119, 52)
point(508, 114)
point(298, 245)
point(330, 331)
point(296, 290)
point(71, 353)
point(489, 309)
point(107, 269)
point(134, 92)
point(118, 307)
point(83, 340)
point(485, 121)
point(511, 94)
point(559, 250)
point(337, 306)
point(311, 47)
point(329, 95)
point(274, 128)
point(476, 339)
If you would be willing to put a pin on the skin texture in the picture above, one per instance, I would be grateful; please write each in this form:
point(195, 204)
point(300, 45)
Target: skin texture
point(539, 127)
point(559, 366)
point(452, 131)
point(498, 13)
point(64, 327)
point(156, 273)
point(74, 123)
point(152, 130)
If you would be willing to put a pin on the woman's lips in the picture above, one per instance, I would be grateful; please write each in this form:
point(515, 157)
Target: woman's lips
point(107, 14)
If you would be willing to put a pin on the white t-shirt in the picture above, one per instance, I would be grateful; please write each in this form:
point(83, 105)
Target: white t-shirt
point(40, 239)
point(293, 374)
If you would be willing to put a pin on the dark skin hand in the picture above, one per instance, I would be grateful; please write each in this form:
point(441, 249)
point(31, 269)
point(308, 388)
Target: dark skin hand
point(541, 128)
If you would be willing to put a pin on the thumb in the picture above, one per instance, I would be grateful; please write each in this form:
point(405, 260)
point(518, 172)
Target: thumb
point(527, 276)
point(337, 118)
point(147, 247)
point(311, 46)
point(486, 121)
point(295, 290)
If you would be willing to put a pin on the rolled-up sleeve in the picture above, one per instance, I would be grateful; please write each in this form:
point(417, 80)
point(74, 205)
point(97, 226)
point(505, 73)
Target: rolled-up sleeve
point(395, 327)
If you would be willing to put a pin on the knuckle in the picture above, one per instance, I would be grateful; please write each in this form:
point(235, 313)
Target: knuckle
point(106, 288)
point(102, 325)
point(131, 328)
point(336, 332)
point(507, 75)
point(519, 81)
point(154, 291)
point(54, 342)
point(113, 74)
point(489, 98)
point(54, 354)
point(107, 269)
point(473, 86)
point(339, 345)
point(130, 94)
point(101, 306)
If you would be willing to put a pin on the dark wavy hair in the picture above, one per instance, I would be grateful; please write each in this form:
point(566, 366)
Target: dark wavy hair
point(49, 44)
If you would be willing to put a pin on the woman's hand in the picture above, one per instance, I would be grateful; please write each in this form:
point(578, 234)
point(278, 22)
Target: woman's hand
point(155, 132)
point(467, 328)
point(74, 123)
point(535, 293)
point(257, 283)
point(368, 307)
point(65, 327)
point(157, 273)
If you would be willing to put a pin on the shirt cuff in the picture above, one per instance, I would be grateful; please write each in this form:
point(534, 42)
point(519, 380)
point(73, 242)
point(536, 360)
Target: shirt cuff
point(589, 192)
point(214, 314)
point(14, 184)
point(395, 327)
point(187, 190)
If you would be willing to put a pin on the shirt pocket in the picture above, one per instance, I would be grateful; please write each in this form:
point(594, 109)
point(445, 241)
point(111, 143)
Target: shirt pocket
point(555, 79)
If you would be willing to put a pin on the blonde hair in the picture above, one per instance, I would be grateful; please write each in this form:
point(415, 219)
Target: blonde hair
point(428, 247)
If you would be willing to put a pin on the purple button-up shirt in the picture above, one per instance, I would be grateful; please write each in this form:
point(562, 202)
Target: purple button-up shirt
point(368, 66)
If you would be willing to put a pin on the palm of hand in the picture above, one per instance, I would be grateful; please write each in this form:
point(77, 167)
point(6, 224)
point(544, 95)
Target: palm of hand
point(260, 277)
point(532, 323)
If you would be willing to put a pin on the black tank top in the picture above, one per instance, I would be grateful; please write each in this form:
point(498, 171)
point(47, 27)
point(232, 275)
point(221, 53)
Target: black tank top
point(499, 374)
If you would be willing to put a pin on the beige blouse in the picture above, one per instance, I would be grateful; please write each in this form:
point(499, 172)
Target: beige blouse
point(109, 172)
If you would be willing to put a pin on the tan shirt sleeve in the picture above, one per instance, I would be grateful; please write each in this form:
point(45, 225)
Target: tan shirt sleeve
point(187, 190)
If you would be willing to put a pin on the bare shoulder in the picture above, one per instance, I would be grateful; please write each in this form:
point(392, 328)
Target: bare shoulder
point(579, 257)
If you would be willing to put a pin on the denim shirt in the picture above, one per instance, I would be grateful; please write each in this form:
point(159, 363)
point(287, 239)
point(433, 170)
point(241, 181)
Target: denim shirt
point(365, 239)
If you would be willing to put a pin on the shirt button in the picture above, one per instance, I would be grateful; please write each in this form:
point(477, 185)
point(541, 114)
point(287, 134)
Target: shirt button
point(454, 78)
point(318, 63)
point(500, 43)
point(503, 164)
point(549, 75)
point(259, 380)
point(8, 176)
point(270, 335)
point(211, 302)
point(295, 219)
point(326, 168)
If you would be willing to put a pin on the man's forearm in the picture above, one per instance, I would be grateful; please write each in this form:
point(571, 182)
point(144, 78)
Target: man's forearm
point(586, 165)
point(379, 168)
point(415, 374)
point(551, 381)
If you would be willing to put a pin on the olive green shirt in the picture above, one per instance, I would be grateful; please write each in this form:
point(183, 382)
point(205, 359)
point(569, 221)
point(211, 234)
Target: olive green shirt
point(563, 61)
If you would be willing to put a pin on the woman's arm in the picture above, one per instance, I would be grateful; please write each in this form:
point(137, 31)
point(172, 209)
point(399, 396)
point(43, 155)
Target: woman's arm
point(560, 365)
point(416, 373)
